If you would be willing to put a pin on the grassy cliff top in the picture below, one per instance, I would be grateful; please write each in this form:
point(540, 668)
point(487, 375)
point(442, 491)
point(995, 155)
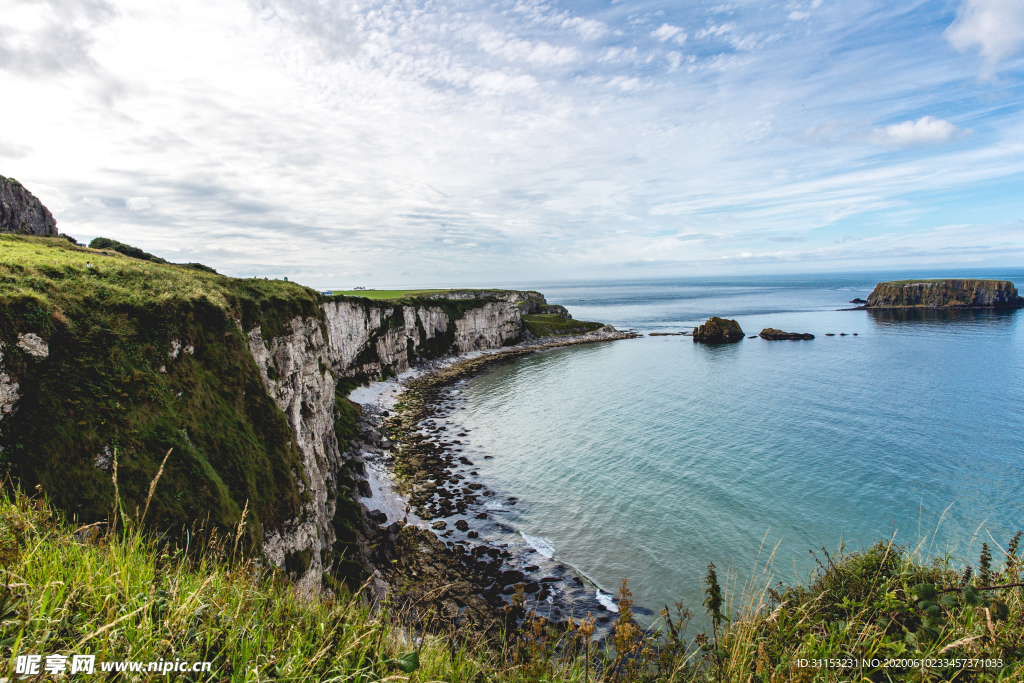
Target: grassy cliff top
point(59, 276)
point(397, 294)
point(900, 283)
point(387, 294)
point(553, 325)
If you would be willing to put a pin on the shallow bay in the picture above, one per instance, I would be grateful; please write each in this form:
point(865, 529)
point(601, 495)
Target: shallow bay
point(646, 459)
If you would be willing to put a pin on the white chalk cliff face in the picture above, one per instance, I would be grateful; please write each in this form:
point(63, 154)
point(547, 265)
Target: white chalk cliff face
point(293, 370)
point(300, 371)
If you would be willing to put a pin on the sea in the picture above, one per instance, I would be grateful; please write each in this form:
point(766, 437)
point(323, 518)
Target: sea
point(648, 459)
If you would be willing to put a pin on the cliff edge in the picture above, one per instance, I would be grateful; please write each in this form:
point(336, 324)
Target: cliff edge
point(945, 294)
point(21, 212)
point(106, 359)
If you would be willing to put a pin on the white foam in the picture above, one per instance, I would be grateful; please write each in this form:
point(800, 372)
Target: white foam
point(493, 505)
point(542, 545)
point(606, 601)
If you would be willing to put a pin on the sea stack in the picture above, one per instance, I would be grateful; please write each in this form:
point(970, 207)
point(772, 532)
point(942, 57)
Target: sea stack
point(945, 294)
point(717, 331)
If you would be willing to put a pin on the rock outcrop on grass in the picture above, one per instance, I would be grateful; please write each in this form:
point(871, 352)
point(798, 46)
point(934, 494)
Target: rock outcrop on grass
point(717, 331)
point(21, 212)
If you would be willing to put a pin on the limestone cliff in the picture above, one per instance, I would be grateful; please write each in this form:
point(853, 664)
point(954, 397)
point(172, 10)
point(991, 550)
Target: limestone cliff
point(21, 212)
point(945, 294)
point(361, 339)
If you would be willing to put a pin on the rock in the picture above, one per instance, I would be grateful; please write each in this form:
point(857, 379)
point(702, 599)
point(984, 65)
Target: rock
point(33, 345)
point(858, 301)
point(945, 294)
point(830, 334)
point(440, 525)
point(473, 534)
point(363, 487)
point(511, 577)
point(376, 516)
point(21, 212)
point(462, 525)
point(772, 334)
point(718, 330)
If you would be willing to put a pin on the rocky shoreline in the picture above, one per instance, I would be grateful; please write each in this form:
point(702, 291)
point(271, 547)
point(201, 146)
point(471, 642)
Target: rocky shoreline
point(438, 539)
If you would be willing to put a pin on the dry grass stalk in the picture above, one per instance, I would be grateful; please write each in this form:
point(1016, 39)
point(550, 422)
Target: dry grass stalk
point(152, 484)
point(241, 526)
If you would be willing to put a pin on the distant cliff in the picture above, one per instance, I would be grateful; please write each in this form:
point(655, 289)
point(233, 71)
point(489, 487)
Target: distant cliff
point(21, 212)
point(945, 294)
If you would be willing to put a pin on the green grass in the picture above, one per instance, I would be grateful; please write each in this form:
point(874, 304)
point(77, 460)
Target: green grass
point(394, 294)
point(387, 294)
point(127, 596)
point(552, 325)
point(899, 283)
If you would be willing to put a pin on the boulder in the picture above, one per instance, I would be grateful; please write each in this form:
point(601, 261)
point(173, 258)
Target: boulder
point(21, 212)
point(772, 334)
point(858, 300)
point(718, 330)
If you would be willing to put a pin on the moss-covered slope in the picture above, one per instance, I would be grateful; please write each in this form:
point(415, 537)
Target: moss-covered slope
point(142, 357)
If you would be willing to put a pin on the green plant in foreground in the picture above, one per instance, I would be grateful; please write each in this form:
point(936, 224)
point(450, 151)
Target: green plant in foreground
point(125, 595)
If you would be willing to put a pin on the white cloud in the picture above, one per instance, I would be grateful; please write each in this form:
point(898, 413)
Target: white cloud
point(322, 137)
point(498, 83)
point(923, 132)
point(12, 150)
point(669, 32)
point(798, 15)
point(589, 29)
point(716, 31)
point(138, 203)
point(517, 50)
point(995, 27)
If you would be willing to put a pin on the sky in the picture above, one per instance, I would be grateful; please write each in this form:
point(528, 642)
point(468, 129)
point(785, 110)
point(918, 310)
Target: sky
point(411, 143)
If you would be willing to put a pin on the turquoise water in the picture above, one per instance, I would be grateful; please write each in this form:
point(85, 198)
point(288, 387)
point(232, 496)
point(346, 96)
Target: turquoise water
point(646, 459)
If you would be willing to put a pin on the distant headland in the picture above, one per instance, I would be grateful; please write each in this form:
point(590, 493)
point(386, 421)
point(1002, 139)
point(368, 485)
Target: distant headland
point(952, 293)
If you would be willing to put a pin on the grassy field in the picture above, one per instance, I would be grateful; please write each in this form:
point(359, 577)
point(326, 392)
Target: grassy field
point(552, 325)
point(119, 594)
point(391, 294)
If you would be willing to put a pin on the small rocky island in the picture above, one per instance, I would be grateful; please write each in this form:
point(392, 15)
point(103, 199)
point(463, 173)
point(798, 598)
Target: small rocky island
point(772, 334)
point(941, 294)
point(718, 331)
